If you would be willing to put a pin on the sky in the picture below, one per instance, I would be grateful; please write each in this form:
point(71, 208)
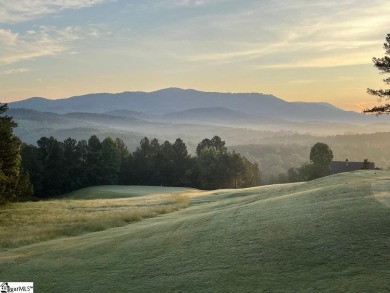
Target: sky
point(297, 50)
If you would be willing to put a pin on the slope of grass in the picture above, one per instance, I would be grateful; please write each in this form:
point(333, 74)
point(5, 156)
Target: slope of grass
point(113, 191)
point(328, 235)
point(95, 209)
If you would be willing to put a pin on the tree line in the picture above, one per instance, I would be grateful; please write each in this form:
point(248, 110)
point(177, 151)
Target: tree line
point(14, 181)
point(54, 167)
point(58, 167)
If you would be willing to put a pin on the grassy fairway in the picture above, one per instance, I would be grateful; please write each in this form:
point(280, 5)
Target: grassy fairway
point(110, 191)
point(328, 235)
point(87, 210)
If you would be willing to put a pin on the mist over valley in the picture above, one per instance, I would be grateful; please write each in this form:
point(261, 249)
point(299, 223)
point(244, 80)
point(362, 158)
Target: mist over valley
point(272, 132)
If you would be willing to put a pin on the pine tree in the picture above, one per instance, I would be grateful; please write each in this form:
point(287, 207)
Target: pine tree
point(110, 161)
point(383, 65)
point(13, 181)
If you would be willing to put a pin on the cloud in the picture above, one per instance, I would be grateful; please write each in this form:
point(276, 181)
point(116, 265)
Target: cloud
point(303, 81)
point(286, 34)
point(14, 71)
point(321, 61)
point(31, 53)
point(7, 37)
point(45, 41)
point(192, 2)
point(174, 4)
point(23, 10)
point(247, 52)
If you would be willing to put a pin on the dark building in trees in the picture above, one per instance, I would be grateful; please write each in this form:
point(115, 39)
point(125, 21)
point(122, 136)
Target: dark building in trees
point(347, 166)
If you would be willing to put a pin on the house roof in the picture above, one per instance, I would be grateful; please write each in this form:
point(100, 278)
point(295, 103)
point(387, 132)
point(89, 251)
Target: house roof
point(344, 166)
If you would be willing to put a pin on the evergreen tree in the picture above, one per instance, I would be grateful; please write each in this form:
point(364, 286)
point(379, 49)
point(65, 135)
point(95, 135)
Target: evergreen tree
point(82, 151)
point(236, 166)
point(217, 168)
point(124, 154)
point(210, 168)
point(13, 181)
point(182, 162)
point(93, 162)
point(166, 165)
point(55, 179)
point(249, 174)
point(72, 168)
point(144, 163)
point(128, 171)
point(122, 148)
point(180, 149)
point(110, 161)
point(215, 142)
point(383, 65)
point(33, 165)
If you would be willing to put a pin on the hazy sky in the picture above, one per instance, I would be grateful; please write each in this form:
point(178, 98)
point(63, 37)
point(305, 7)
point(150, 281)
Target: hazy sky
point(298, 50)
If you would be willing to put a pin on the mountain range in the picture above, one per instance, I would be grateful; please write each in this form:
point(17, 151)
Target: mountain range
point(189, 114)
point(174, 104)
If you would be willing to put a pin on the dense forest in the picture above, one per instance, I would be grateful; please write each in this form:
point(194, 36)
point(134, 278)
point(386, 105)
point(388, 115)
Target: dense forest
point(58, 167)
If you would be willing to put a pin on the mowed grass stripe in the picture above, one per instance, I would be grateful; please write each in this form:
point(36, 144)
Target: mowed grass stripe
point(329, 235)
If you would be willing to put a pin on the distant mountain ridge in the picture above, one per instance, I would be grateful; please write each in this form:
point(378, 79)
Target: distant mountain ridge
point(165, 102)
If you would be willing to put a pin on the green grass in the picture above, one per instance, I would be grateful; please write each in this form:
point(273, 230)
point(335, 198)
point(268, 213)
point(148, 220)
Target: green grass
point(95, 209)
point(328, 235)
point(112, 191)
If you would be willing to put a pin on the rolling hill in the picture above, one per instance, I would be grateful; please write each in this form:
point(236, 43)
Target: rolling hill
point(327, 235)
